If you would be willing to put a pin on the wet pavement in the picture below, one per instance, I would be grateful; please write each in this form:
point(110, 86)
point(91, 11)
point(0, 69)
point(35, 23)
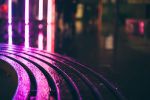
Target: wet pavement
point(78, 38)
point(132, 66)
point(130, 72)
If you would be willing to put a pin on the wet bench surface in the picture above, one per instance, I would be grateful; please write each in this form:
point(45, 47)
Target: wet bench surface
point(47, 76)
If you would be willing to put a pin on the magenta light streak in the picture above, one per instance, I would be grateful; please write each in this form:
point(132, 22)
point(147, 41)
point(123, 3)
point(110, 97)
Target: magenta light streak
point(9, 11)
point(26, 11)
point(51, 25)
point(40, 41)
point(40, 17)
point(26, 36)
point(10, 34)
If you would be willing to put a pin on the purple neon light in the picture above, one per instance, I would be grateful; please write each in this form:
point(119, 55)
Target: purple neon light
point(23, 87)
point(40, 41)
point(26, 11)
point(9, 11)
point(26, 36)
point(10, 34)
point(40, 17)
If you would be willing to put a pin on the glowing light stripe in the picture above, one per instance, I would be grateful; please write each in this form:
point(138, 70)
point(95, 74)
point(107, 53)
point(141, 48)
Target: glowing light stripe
point(27, 36)
point(26, 23)
point(49, 11)
point(26, 11)
point(9, 11)
point(40, 41)
point(10, 34)
point(51, 25)
point(40, 17)
point(49, 38)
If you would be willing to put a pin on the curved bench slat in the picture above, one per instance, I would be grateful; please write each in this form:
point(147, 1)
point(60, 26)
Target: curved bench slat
point(88, 82)
point(23, 87)
point(58, 81)
point(43, 89)
point(72, 69)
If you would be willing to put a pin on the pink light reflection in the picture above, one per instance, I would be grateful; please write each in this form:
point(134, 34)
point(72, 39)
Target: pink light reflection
point(9, 11)
point(10, 34)
point(26, 11)
point(40, 26)
point(40, 41)
point(42, 93)
point(26, 36)
point(23, 87)
point(141, 27)
point(49, 39)
point(51, 26)
point(40, 16)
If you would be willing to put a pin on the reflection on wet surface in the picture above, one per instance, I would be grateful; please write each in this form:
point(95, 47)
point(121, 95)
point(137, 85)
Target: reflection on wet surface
point(75, 34)
point(42, 93)
point(10, 34)
point(23, 87)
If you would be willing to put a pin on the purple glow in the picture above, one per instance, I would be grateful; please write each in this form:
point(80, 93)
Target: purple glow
point(26, 11)
point(40, 17)
point(40, 41)
point(26, 36)
point(51, 25)
point(49, 69)
point(23, 87)
point(42, 93)
point(10, 34)
point(9, 11)
point(40, 26)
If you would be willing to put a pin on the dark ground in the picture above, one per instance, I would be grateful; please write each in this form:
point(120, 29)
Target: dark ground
point(132, 67)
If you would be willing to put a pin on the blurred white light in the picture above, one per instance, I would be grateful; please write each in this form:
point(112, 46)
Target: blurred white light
point(40, 16)
point(50, 25)
point(40, 41)
point(26, 11)
point(9, 11)
point(10, 34)
point(27, 36)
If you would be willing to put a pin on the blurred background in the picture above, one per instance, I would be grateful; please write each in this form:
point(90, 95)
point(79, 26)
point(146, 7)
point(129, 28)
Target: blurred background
point(112, 37)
